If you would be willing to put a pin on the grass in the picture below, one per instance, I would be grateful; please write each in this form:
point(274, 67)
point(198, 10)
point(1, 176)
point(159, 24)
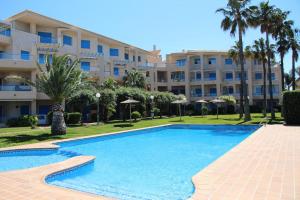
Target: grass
point(26, 135)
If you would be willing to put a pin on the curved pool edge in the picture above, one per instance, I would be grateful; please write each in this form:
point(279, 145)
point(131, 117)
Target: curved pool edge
point(65, 193)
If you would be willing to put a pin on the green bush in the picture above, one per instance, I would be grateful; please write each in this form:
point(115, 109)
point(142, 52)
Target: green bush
point(135, 115)
point(26, 120)
point(291, 107)
point(204, 110)
point(74, 118)
point(156, 111)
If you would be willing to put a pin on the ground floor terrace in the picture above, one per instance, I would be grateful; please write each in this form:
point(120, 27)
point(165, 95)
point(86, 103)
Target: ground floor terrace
point(263, 166)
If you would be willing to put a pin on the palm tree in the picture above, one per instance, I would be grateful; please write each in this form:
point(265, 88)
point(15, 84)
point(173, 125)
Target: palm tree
point(281, 31)
point(264, 16)
point(59, 80)
point(234, 54)
point(134, 78)
point(236, 20)
point(109, 83)
point(295, 47)
point(260, 54)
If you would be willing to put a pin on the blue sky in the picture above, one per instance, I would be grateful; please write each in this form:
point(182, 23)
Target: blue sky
point(173, 25)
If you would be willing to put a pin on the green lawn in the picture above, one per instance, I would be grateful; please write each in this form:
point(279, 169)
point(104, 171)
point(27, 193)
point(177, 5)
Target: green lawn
point(25, 135)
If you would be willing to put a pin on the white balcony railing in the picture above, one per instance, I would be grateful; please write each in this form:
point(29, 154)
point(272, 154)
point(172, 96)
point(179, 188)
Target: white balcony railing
point(15, 88)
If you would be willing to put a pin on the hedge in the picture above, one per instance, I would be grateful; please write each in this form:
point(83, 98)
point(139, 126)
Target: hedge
point(291, 107)
point(74, 118)
point(26, 120)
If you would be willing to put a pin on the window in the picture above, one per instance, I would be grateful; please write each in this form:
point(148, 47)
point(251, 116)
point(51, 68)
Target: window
point(133, 58)
point(85, 44)
point(213, 91)
point(113, 52)
point(180, 62)
point(85, 66)
point(6, 32)
point(258, 90)
point(198, 75)
point(45, 37)
point(25, 55)
point(24, 110)
point(116, 71)
point(212, 76)
point(67, 40)
point(230, 90)
point(126, 56)
point(197, 61)
point(228, 61)
point(139, 59)
point(228, 76)
point(212, 61)
point(100, 49)
point(258, 76)
point(41, 58)
point(273, 77)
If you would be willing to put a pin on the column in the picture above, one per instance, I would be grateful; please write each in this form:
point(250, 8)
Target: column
point(33, 79)
point(33, 107)
point(32, 28)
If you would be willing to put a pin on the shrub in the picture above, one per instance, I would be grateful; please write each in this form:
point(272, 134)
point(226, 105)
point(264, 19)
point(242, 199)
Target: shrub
point(256, 109)
point(74, 118)
point(204, 110)
point(135, 115)
point(156, 111)
point(26, 120)
point(291, 107)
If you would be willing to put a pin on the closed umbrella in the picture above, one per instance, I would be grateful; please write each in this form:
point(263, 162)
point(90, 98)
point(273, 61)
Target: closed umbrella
point(129, 101)
point(202, 101)
point(218, 102)
point(179, 102)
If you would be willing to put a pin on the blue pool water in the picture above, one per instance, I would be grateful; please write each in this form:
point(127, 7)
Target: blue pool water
point(156, 163)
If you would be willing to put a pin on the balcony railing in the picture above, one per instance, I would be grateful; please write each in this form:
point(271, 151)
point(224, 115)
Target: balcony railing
point(15, 88)
point(210, 79)
point(10, 56)
point(48, 40)
point(196, 94)
point(178, 80)
point(195, 79)
point(211, 94)
point(162, 80)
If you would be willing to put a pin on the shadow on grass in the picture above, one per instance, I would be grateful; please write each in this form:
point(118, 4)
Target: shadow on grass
point(176, 121)
point(125, 125)
point(23, 138)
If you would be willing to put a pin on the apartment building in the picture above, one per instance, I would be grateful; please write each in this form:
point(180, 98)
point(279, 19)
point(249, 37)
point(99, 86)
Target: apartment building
point(27, 37)
point(209, 74)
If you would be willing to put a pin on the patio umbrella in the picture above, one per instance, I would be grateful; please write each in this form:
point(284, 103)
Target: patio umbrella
point(179, 102)
point(218, 102)
point(129, 101)
point(202, 103)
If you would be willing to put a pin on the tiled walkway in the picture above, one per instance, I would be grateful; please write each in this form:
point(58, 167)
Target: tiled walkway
point(264, 166)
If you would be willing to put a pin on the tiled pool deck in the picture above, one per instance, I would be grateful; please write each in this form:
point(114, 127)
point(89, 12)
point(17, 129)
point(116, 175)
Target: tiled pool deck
point(264, 166)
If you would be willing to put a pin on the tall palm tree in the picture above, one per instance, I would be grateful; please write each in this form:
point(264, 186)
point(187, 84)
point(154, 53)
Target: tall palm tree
point(236, 20)
point(288, 80)
point(59, 79)
point(264, 16)
point(134, 78)
point(259, 51)
point(234, 54)
point(282, 28)
point(295, 47)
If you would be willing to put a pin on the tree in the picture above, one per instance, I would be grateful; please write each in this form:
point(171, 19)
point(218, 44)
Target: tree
point(236, 20)
point(283, 27)
point(264, 16)
point(108, 103)
point(59, 80)
point(109, 83)
point(134, 78)
point(259, 52)
point(295, 47)
point(288, 80)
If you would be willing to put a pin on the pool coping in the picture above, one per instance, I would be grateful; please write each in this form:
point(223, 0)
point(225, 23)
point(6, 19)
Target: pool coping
point(80, 160)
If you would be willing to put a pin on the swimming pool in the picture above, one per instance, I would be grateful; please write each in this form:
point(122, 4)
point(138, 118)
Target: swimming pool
point(156, 163)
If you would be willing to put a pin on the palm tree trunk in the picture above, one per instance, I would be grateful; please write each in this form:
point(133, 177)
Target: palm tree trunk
point(293, 72)
point(282, 70)
point(243, 81)
point(265, 88)
point(270, 76)
point(58, 126)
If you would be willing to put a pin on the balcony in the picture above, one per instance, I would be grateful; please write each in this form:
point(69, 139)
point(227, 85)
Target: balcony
point(90, 55)
point(17, 61)
point(210, 79)
point(211, 94)
point(18, 88)
point(175, 80)
point(47, 44)
point(121, 62)
point(195, 80)
point(5, 33)
point(145, 65)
